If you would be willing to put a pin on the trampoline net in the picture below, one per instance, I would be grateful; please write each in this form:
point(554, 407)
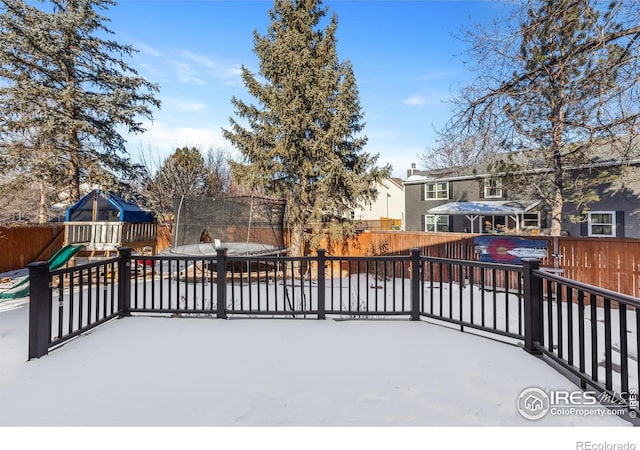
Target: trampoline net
point(245, 219)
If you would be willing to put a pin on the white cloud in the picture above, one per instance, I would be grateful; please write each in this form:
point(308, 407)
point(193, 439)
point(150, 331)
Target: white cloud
point(180, 105)
point(147, 50)
point(217, 68)
point(185, 66)
point(399, 156)
point(164, 139)
point(416, 100)
point(186, 73)
point(152, 71)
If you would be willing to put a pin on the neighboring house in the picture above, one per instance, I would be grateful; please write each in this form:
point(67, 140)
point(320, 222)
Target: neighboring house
point(440, 201)
point(389, 204)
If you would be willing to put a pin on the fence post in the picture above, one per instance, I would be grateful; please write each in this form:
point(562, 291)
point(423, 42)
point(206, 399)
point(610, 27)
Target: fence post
point(322, 314)
point(221, 274)
point(124, 281)
point(39, 309)
point(415, 284)
point(532, 306)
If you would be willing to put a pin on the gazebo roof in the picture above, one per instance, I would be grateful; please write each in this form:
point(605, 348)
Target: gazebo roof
point(485, 208)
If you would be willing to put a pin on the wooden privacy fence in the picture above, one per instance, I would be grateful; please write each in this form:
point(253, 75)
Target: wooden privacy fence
point(163, 237)
point(23, 244)
point(610, 263)
point(373, 243)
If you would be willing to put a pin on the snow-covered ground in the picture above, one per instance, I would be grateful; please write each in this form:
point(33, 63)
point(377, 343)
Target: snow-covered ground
point(151, 371)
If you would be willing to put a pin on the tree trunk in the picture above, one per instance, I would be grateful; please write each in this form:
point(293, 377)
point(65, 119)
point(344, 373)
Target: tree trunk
point(557, 203)
point(74, 169)
point(556, 214)
point(296, 244)
point(42, 204)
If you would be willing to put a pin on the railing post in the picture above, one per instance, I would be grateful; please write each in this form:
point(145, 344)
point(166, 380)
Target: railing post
point(532, 306)
point(322, 254)
point(415, 284)
point(124, 281)
point(39, 309)
point(221, 271)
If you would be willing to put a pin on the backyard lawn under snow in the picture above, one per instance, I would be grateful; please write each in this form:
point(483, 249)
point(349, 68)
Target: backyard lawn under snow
point(152, 371)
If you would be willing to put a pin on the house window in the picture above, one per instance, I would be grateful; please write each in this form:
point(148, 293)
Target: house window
point(492, 188)
point(531, 220)
point(436, 223)
point(602, 223)
point(436, 191)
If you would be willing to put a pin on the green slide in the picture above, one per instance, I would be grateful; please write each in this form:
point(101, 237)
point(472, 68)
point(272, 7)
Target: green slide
point(58, 260)
point(62, 256)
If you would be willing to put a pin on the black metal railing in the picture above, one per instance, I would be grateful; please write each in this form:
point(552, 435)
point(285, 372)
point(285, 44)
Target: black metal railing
point(482, 296)
point(590, 332)
point(312, 286)
point(371, 287)
point(65, 303)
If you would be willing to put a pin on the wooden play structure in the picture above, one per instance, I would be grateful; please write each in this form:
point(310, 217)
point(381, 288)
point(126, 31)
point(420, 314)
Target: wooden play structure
point(104, 221)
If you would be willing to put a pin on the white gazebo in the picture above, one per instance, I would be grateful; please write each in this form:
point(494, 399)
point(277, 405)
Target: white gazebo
point(474, 210)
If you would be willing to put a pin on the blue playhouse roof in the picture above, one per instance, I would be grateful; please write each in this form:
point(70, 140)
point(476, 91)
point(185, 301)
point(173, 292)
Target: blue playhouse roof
point(109, 207)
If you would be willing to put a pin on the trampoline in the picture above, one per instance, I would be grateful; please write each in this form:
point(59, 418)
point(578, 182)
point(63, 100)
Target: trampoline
point(233, 249)
point(244, 225)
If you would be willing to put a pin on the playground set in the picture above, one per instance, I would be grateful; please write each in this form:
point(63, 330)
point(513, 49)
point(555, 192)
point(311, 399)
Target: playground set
point(95, 226)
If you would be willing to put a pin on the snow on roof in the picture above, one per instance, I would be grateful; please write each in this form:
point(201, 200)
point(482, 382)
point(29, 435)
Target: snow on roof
point(486, 208)
point(414, 178)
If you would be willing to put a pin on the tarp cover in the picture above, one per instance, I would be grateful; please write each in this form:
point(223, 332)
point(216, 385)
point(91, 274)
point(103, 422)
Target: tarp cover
point(109, 207)
point(486, 208)
point(509, 249)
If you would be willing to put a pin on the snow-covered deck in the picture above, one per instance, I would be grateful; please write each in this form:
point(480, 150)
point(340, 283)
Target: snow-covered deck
point(153, 371)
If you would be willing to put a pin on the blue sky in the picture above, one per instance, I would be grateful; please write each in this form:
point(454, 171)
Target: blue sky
point(406, 60)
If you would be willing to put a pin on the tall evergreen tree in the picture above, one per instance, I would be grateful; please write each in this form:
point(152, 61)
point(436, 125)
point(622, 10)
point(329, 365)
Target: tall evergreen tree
point(66, 92)
point(563, 82)
point(303, 140)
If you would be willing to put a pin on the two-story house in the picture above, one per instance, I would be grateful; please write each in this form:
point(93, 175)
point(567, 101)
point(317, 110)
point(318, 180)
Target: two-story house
point(389, 204)
point(448, 200)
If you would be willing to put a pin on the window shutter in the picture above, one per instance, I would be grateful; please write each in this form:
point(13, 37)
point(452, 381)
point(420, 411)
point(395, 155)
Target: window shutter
point(481, 189)
point(422, 222)
point(423, 187)
point(584, 227)
point(449, 190)
point(619, 223)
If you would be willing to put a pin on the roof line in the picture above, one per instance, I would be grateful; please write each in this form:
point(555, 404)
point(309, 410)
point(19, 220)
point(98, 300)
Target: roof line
point(527, 171)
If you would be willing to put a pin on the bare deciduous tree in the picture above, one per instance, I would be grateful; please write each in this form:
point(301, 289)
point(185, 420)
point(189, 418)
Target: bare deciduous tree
point(189, 173)
point(560, 79)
